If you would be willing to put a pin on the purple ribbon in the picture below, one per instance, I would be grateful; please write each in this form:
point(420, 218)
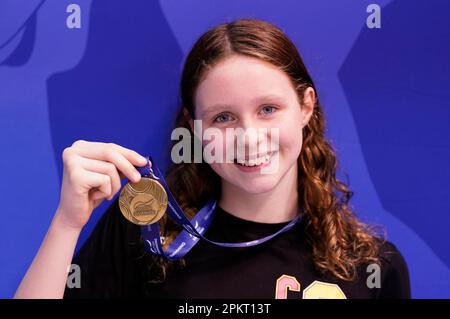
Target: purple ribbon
point(192, 230)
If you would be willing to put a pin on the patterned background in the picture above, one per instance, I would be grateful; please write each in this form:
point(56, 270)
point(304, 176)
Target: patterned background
point(385, 91)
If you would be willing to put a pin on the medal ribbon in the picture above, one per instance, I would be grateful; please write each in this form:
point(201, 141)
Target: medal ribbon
point(192, 229)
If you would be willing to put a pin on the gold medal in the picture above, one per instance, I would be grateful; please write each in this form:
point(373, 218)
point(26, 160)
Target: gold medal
point(144, 202)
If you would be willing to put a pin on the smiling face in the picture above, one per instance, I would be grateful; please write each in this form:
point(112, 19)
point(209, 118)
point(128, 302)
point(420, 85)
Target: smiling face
point(248, 93)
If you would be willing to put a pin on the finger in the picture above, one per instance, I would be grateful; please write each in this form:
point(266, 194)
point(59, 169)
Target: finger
point(110, 154)
point(132, 156)
point(96, 195)
point(100, 182)
point(106, 168)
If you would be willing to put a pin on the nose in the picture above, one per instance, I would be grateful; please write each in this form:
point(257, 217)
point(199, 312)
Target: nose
point(252, 137)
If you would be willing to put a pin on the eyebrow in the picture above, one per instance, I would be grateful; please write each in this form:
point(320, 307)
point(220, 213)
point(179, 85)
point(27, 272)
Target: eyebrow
point(220, 106)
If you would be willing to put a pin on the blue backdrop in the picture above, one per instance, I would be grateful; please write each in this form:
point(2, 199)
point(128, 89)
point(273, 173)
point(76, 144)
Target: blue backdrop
point(385, 91)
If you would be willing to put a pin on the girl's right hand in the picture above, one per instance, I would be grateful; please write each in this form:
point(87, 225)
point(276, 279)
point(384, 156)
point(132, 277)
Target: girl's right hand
point(93, 172)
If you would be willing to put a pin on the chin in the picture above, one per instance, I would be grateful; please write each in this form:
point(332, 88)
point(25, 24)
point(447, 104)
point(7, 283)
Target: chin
point(257, 185)
point(257, 189)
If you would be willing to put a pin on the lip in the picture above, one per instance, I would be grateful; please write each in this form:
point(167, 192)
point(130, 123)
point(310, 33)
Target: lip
point(252, 157)
point(256, 168)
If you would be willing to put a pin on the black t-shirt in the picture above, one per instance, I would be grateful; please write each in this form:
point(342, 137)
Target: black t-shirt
point(114, 264)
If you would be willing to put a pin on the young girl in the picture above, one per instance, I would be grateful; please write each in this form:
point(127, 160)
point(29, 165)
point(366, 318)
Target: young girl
point(243, 74)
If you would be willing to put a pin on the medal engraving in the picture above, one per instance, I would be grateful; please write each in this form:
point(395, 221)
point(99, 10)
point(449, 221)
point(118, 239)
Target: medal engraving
point(143, 203)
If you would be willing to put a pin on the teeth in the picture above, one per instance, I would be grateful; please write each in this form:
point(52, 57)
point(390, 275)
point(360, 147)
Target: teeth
point(255, 162)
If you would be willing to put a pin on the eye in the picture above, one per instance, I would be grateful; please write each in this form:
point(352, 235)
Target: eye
point(268, 109)
point(222, 118)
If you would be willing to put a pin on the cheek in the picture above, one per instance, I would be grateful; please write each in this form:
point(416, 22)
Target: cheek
point(218, 145)
point(225, 171)
point(291, 140)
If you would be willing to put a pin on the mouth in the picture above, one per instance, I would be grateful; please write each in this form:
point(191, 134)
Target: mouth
point(255, 163)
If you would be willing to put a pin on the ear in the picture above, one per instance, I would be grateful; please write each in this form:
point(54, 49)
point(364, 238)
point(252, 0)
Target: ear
point(188, 118)
point(307, 107)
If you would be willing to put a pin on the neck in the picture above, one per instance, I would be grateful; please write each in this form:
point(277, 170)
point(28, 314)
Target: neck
point(278, 205)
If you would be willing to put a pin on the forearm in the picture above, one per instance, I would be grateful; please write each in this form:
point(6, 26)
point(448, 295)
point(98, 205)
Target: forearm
point(47, 275)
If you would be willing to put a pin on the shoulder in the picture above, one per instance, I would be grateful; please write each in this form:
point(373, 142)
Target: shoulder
point(394, 272)
point(390, 254)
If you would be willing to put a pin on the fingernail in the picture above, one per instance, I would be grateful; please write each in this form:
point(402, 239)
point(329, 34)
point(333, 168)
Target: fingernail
point(143, 160)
